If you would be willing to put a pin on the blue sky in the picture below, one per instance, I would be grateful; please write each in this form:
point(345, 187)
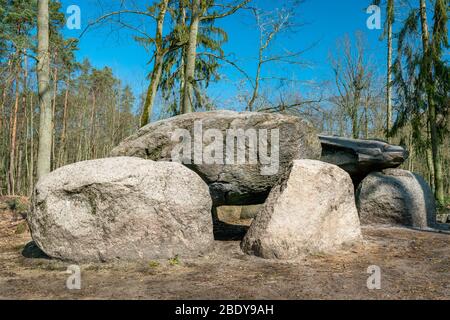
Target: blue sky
point(326, 22)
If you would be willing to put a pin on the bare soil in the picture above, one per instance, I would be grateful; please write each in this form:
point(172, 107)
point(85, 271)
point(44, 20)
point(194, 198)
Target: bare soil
point(414, 265)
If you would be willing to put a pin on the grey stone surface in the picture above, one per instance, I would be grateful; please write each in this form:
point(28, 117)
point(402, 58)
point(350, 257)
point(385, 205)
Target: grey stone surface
point(122, 208)
point(396, 196)
point(311, 210)
point(238, 184)
point(361, 157)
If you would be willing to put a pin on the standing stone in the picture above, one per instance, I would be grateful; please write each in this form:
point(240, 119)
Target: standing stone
point(122, 208)
point(230, 184)
point(361, 157)
point(396, 196)
point(311, 210)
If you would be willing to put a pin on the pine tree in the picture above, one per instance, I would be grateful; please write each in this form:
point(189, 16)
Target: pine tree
point(210, 40)
point(390, 20)
point(422, 81)
point(43, 71)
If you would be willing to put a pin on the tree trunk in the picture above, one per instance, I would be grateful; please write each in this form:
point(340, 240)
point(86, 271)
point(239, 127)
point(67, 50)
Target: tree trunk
point(4, 134)
point(191, 55)
point(366, 119)
point(157, 68)
point(24, 127)
point(152, 91)
point(389, 69)
point(411, 151)
point(182, 23)
point(4, 96)
point(354, 114)
point(43, 72)
point(31, 174)
point(12, 147)
point(55, 91)
point(19, 171)
point(355, 126)
point(256, 88)
point(62, 145)
point(91, 149)
point(435, 140)
point(429, 155)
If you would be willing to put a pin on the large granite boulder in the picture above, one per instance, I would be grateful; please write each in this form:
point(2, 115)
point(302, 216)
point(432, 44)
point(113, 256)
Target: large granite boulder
point(361, 157)
point(311, 210)
point(122, 208)
point(397, 197)
point(206, 138)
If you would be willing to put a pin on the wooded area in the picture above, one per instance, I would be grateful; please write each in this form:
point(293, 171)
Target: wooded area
point(77, 112)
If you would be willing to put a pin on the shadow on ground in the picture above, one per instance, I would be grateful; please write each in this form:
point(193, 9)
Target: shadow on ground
point(229, 232)
point(32, 251)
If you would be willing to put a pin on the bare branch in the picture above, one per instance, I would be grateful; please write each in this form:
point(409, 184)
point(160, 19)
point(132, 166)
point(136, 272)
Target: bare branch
point(250, 80)
point(282, 106)
point(227, 13)
point(111, 14)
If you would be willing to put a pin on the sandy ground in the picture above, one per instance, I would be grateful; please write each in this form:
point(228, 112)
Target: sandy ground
point(414, 265)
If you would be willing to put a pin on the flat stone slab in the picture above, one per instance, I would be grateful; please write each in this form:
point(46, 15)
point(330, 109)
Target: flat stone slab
point(280, 139)
point(361, 157)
